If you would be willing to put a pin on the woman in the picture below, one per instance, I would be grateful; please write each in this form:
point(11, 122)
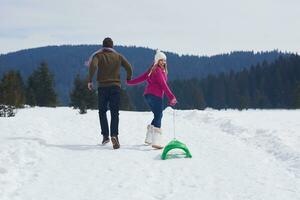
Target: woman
point(156, 77)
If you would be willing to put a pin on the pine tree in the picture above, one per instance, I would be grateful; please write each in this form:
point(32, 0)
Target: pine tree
point(297, 96)
point(125, 103)
point(198, 98)
point(220, 92)
point(40, 87)
point(232, 90)
point(243, 85)
point(81, 97)
point(136, 95)
point(12, 89)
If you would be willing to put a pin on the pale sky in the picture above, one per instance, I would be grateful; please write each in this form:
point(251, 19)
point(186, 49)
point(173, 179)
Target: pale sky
point(195, 27)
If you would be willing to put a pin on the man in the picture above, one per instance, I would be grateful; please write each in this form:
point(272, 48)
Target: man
point(107, 63)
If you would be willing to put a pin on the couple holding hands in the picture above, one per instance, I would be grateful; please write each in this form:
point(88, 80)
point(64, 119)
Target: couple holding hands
point(107, 62)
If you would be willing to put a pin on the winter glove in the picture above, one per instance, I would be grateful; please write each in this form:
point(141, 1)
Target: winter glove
point(173, 102)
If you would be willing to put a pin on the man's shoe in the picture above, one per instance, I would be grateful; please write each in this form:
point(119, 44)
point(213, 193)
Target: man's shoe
point(105, 140)
point(115, 142)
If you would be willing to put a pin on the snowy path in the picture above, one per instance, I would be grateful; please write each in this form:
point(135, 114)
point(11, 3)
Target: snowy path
point(52, 154)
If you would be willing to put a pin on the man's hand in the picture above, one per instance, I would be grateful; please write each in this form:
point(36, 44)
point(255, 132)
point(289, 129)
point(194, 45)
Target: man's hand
point(90, 86)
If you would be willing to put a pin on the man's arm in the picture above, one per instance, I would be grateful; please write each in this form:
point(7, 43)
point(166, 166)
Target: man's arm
point(92, 69)
point(127, 67)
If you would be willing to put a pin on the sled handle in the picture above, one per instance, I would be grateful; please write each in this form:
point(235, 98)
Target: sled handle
point(174, 124)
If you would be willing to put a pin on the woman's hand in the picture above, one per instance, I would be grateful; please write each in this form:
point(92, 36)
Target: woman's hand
point(173, 102)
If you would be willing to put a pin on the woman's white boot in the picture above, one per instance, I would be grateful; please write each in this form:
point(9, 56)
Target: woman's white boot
point(148, 139)
point(157, 139)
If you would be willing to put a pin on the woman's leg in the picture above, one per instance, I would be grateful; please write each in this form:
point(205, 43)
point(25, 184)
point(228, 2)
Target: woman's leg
point(156, 105)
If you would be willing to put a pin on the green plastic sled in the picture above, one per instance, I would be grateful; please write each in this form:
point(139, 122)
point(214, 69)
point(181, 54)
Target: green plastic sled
point(175, 144)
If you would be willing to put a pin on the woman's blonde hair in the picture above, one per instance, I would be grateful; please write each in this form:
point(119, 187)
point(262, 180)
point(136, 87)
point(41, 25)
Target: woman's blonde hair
point(153, 67)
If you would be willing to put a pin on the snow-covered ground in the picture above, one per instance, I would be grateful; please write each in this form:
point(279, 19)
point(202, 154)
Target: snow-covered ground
point(54, 153)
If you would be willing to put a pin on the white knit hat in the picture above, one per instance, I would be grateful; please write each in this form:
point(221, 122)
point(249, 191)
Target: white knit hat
point(159, 55)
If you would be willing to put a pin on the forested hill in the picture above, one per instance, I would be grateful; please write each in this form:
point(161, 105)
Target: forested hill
point(267, 85)
point(67, 60)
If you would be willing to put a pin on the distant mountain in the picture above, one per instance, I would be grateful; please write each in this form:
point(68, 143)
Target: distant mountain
point(68, 60)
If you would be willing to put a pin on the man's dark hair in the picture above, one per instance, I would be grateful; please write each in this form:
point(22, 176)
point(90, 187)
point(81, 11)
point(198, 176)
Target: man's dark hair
point(107, 42)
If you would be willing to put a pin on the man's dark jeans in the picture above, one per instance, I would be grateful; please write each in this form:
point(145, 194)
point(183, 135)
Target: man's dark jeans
point(109, 96)
point(156, 105)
